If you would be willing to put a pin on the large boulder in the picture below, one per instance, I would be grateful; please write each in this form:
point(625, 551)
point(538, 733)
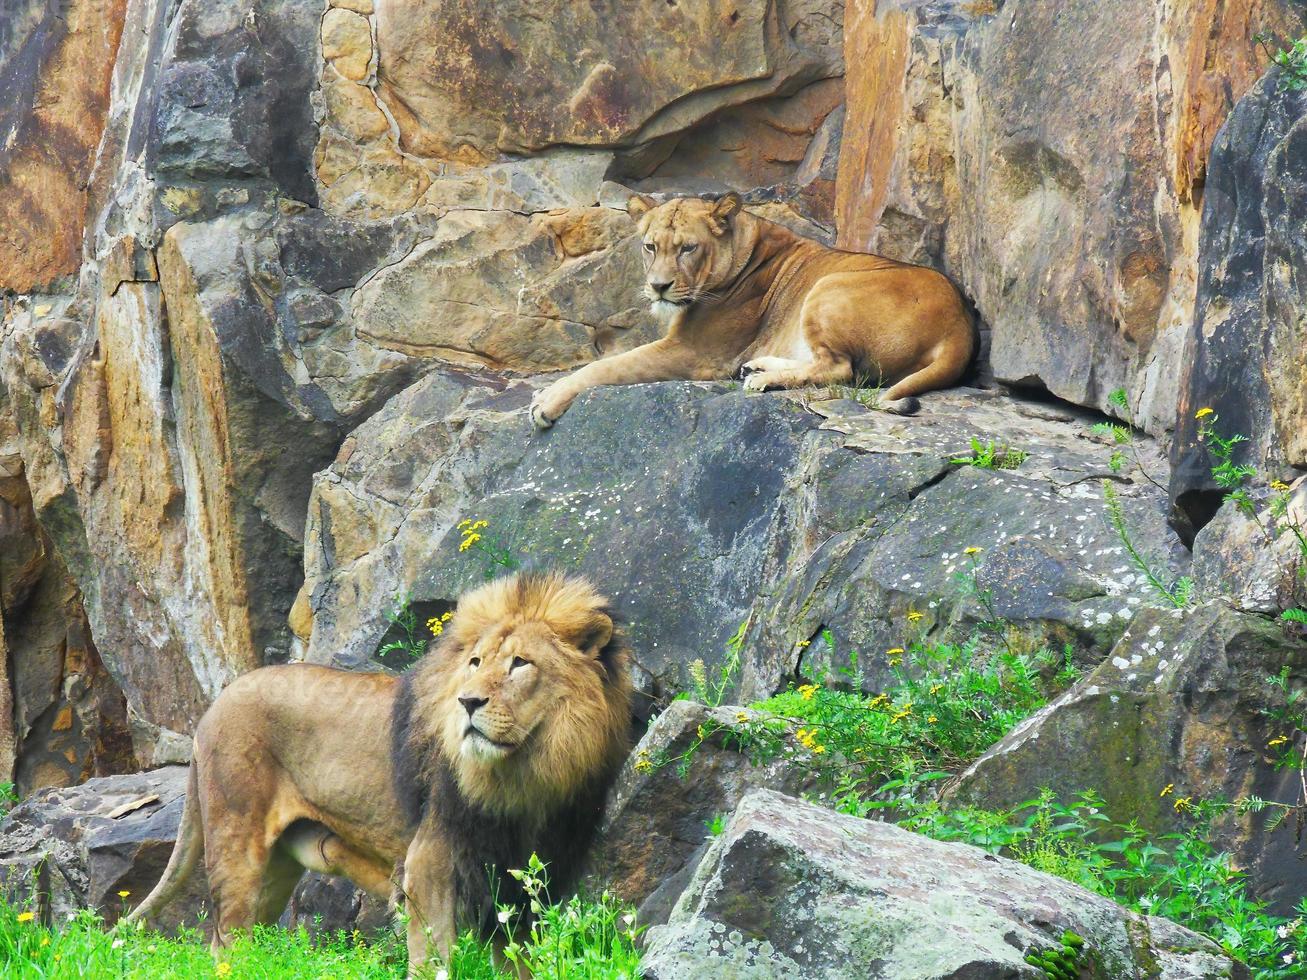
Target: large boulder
point(700, 507)
point(792, 890)
point(1181, 709)
point(1246, 353)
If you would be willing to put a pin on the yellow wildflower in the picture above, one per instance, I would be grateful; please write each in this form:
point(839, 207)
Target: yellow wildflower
point(803, 644)
point(469, 541)
point(123, 894)
point(971, 551)
point(1166, 790)
point(479, 525)
point(807, 691)
point(644, 764)
point(45, 941)
point(436, 626)
point(932, 719)
point(466, 522)
point(936, 688)
point(1202, 413)
point(894, 651)
point(1182, 803)
point(701, 732)
point(1279, 486)
point(915, 615)
point(26, 916)
point(222, 969)
point(1278, 740)
point(447, 616)
point(818, 749)
point(741, 717)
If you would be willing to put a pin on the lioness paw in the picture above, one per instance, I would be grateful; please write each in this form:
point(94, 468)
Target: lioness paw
point(757, 381)
point(539, 418)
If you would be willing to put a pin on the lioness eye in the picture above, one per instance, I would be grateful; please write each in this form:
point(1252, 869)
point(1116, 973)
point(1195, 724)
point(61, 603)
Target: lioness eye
point(474, 662)
point(518, 662)
point(648, 246)
point(687, 249)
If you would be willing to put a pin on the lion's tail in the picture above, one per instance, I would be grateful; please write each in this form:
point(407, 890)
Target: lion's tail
point(186, 854)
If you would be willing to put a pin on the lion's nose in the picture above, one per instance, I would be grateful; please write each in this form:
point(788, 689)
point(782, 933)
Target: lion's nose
point(660, 287)
point(471, 704)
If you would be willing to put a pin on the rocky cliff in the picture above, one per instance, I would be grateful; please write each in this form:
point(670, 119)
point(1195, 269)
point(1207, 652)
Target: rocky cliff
point(276, 277)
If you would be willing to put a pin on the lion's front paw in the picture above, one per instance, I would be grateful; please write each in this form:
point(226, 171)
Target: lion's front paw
point(548, 406)
point(757, 381)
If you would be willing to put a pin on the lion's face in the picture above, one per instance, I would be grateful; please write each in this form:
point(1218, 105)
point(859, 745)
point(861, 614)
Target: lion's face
point(504, 689)
point(527, 697)
point(687, 249)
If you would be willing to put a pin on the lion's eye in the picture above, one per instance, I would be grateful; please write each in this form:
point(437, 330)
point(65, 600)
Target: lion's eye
point(518, 662)
point(474, 663)
point(648, 246)
point(687, 249)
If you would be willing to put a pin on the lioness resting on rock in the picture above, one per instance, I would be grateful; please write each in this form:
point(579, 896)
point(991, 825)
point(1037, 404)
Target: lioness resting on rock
point(500, 742)
point(744, 295)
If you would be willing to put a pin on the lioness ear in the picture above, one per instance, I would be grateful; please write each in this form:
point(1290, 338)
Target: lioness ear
point(596, 635)
point(639, 205)
point(725, 208)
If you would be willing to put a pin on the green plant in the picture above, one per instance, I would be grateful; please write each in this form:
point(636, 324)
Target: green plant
point(1180, 592)
point(712, 691)
point(1230, 476)
point(717, 824)
point(1179, 876)
point(410, 645)
point(1061, 962)
point(1292, 59)
point(1298, 616)
point(578, 939)
point(8, 798)
point(948, 703)
point(1123, 437)
point(493, 551)
point(991, 456)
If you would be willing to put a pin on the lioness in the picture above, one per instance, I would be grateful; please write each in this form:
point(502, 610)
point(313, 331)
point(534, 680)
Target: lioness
point(743, 295)
point(500, 742)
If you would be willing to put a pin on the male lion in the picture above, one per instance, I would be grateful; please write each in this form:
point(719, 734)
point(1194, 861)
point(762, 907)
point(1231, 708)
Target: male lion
point(500, 742)
point(743, 295)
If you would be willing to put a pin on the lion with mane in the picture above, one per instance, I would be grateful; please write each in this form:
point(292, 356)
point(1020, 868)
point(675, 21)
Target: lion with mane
point(501, 742)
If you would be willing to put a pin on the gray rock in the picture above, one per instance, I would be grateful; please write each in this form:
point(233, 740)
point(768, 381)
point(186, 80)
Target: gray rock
point(697, 508)
point(78, 847)
point(1182, 701)
point(1246, 353)
point(792, 890)
point(674, 785)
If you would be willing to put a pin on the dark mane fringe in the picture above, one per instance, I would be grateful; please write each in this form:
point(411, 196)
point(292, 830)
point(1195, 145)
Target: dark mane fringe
point(410, 784)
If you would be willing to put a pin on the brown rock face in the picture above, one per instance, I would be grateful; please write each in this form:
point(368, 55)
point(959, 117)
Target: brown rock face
point(56, 61)
point(1051, 158)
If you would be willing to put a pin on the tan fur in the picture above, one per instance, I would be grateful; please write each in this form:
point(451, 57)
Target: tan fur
point(741, 294)
point(293, 765)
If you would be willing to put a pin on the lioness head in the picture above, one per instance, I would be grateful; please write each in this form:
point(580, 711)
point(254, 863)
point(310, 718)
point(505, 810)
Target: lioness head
point(687, 248)
point(526, 697)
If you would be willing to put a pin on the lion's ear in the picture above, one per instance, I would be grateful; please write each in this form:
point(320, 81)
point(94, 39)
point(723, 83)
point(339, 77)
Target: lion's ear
point(639, 205)
point(726, 208)
point(596, 635)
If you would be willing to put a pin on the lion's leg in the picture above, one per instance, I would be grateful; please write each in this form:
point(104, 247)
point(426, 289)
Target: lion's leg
point(827, 368)
point(316, 848)
point(430, 900)
point(663, 360)
point(236, 878)
point(769, 364)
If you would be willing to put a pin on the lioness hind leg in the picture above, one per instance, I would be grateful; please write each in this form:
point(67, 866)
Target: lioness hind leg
point(236, 881)
point(768, 364)
point(827, 368)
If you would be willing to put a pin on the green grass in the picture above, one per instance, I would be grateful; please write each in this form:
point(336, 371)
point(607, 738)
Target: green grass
point(579, 939)
point(991, 456)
